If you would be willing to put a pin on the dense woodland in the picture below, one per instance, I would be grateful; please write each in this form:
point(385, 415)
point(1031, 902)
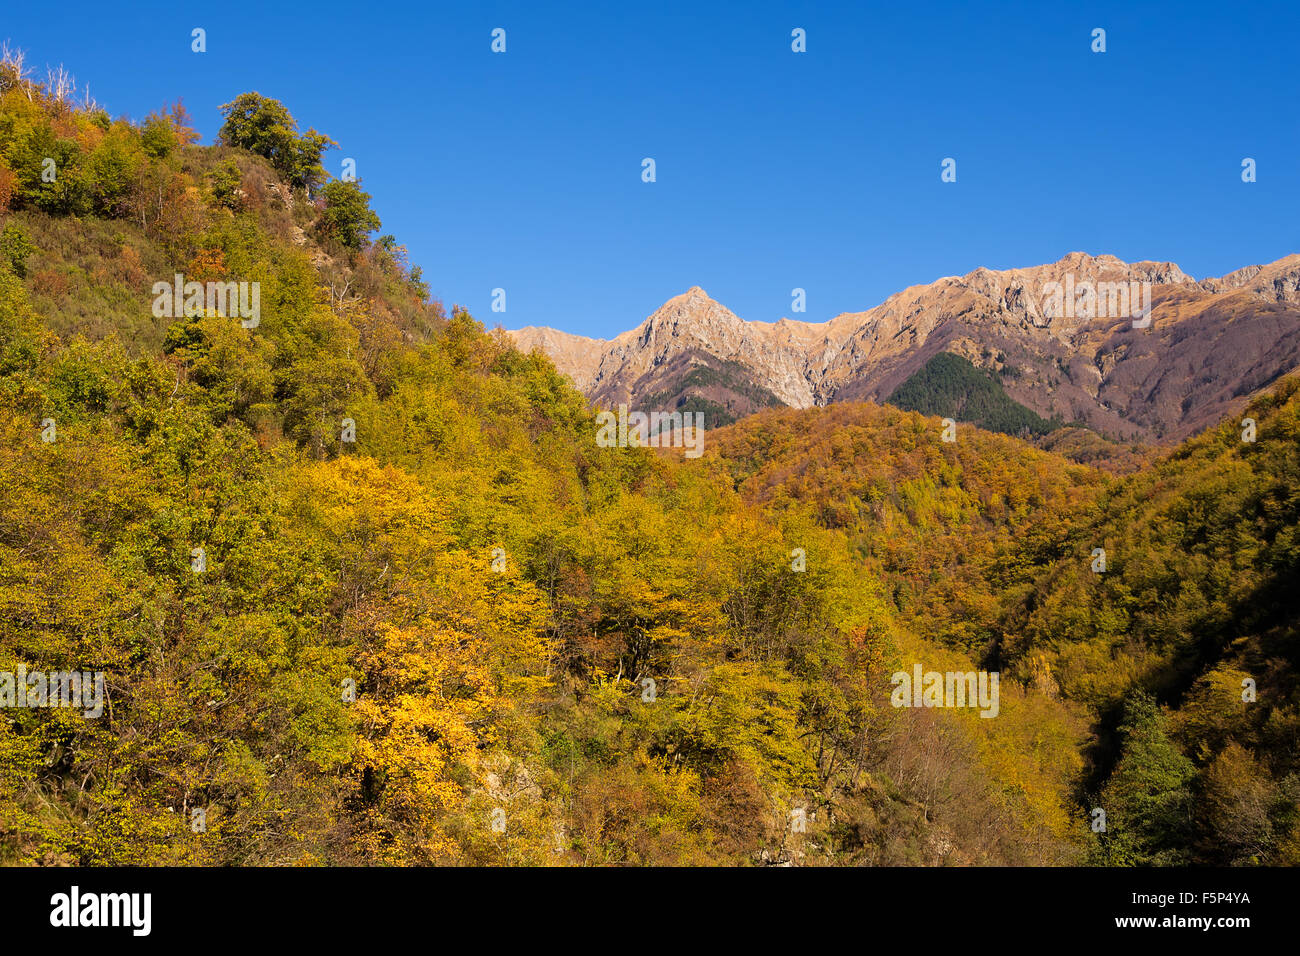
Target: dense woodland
point(612, 652)
point(950, 386)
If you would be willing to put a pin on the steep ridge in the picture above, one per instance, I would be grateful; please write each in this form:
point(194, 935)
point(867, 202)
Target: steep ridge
point(1064, 341)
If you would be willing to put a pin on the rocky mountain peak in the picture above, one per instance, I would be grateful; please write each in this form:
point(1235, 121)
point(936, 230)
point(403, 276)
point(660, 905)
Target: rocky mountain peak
point(1097, 368)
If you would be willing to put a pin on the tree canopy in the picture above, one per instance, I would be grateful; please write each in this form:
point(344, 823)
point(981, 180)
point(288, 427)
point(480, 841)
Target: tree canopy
point(264, 126)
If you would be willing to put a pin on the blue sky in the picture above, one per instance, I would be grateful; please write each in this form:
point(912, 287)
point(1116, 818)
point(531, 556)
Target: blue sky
point(775, 170)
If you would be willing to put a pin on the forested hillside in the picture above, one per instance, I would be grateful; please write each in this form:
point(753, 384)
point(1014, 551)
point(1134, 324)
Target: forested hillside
point(1197, 610)
point(365, 590)
point(951, 387)
point(943, 525)
point(1180, 639)
point(610, 648)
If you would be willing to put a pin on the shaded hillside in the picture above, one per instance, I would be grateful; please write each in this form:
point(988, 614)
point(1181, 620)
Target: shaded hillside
point(720, 391)
point(1084, 446)
point(1196, 607)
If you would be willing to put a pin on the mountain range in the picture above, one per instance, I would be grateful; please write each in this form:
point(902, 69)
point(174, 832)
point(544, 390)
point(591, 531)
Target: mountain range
point(1203, 348)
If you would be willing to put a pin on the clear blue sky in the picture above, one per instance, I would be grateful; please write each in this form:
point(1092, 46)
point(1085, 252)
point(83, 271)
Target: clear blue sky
point(775, 170)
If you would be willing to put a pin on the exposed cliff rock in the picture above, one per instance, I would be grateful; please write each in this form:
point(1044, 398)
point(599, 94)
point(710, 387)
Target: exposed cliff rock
point(1062, 337)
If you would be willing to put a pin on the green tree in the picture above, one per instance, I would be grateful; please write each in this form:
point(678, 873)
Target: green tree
point(347, 217)
point(1148, 798)
point(15, 247)
point(265, 126)
point(158, 136)
point(225, 180)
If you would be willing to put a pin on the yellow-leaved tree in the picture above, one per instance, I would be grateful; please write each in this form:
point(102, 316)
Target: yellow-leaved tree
point(450, 652)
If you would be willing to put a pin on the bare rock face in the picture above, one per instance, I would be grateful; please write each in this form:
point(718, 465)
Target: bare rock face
point(574, 355)
point(1135, 350)
point(694, 321)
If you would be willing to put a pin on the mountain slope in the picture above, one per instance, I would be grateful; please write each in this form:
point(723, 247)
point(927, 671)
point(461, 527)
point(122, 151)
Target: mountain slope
point(950, 386)
point(1183, 646)
point(1195, 610)
point(359, 581)
point(1209, 345)
point(357, 578)
point(937, 522)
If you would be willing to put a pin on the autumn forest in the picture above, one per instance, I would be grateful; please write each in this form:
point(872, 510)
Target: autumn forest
point(364, 589)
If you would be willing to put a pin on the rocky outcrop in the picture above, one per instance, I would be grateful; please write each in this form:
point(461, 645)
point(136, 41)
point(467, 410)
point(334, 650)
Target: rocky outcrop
point(1063, 336)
